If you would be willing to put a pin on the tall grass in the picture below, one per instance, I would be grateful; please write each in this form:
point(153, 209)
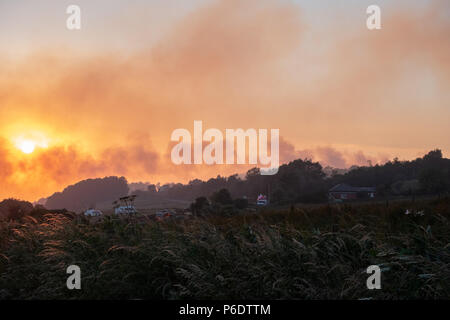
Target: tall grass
point(299, 253)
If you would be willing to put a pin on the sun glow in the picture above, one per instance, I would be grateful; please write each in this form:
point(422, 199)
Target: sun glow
point(28, 143)
point(26, 146)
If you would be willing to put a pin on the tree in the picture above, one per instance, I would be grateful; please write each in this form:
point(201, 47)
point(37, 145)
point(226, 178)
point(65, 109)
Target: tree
point(432, 180)
point(433, 155)
point(241, 203)
point(199, 205)
point(222, 197)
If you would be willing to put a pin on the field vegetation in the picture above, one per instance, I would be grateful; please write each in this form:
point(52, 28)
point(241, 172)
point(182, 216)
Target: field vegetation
point(316, 252)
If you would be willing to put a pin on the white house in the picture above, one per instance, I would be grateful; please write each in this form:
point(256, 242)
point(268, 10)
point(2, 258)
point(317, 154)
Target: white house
point(129, 209)
point(262, 200)
point(125, 205)
point(92, 213)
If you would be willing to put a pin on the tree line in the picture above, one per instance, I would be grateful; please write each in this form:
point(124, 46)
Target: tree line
point(299, 181)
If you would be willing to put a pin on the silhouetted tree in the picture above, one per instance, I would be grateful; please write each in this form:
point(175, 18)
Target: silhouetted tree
point(222, 196)
point(241, 203)
point(200, 204)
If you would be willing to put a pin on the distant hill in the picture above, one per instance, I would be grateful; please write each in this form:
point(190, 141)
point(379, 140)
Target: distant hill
point(88, 193)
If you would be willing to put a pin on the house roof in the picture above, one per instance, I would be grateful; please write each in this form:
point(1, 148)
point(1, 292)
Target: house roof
point(262, 197)
point(342, 187)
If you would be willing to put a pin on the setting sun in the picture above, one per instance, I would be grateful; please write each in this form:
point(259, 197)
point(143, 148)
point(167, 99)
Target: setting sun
point(27, 143)
point(26, 146)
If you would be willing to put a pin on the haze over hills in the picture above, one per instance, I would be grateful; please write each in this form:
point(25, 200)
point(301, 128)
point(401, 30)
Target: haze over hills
point(87, 193)
point(298, 181)
point(91, 193)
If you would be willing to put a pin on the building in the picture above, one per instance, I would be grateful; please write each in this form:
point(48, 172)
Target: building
point(125, 210)
point(125, 205)
point(346, 192)
point(93, 213)
point(262, 200)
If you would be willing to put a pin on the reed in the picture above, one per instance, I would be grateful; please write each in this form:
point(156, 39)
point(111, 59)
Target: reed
point(298, 253)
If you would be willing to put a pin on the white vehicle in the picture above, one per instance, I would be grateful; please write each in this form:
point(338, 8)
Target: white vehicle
point(125, 210)
point(93, 213)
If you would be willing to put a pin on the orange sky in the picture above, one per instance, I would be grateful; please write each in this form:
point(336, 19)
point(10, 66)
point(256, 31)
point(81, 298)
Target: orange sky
point(338, 92)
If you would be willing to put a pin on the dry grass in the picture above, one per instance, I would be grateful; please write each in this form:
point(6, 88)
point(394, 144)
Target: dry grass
point(308, 253)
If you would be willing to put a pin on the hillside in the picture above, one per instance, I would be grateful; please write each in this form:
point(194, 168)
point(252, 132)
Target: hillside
point(88, 193)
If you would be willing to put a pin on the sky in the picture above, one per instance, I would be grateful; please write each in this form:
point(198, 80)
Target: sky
point(104, 100)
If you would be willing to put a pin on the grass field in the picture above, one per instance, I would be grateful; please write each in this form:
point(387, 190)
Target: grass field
point(299, 253)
